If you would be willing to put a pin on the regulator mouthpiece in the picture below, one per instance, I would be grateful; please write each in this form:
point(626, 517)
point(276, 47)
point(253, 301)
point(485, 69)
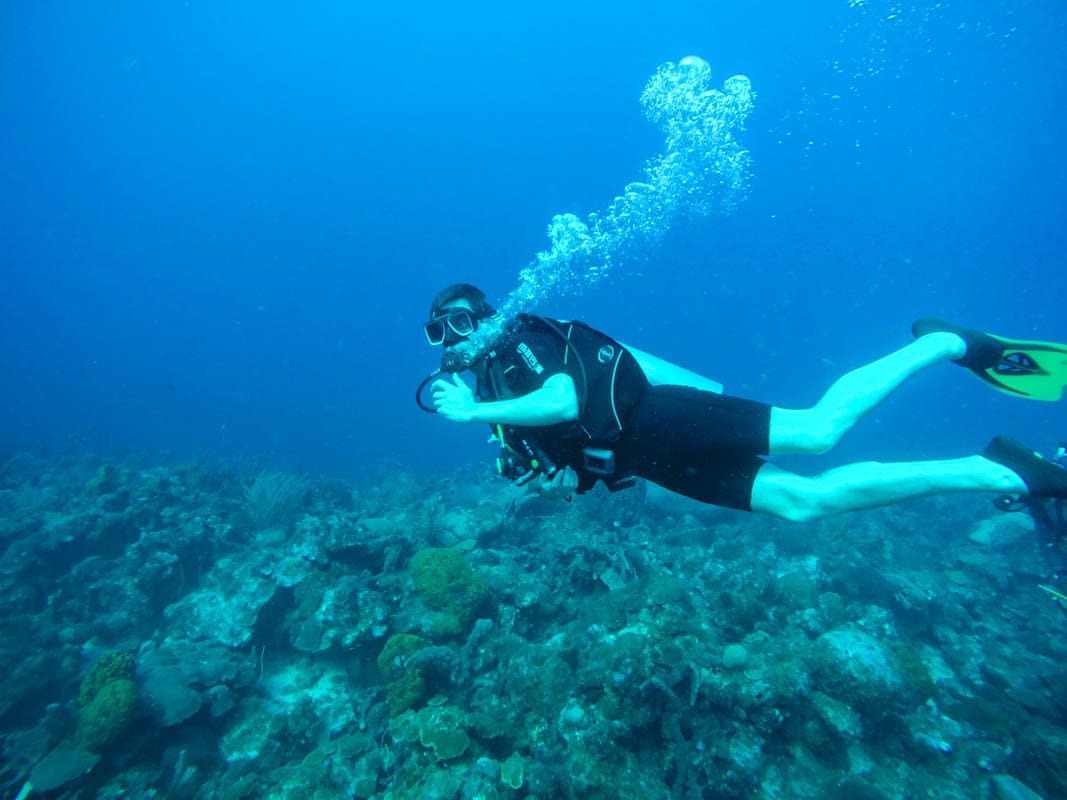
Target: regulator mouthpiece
point(456, 361)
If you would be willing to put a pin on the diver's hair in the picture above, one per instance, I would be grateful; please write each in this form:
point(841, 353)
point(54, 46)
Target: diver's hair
point(462, 291)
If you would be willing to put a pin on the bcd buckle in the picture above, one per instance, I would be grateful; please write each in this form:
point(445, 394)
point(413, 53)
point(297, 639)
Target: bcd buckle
point(598, 461)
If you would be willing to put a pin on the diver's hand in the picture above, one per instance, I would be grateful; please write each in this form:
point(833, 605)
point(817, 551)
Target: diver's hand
point(559, 486)
point(454, 399)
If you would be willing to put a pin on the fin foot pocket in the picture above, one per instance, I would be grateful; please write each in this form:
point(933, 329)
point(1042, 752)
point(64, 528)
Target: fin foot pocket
point(983, 351)
point(1042, 477)
point(1034, 370)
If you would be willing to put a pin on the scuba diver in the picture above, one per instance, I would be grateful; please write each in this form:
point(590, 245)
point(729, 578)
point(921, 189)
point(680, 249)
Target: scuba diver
point(1050, 519)
point(572, 406)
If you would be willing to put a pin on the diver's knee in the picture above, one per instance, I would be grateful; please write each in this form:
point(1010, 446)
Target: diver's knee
point(794, 499)
point(820, 434)
point(802, 509)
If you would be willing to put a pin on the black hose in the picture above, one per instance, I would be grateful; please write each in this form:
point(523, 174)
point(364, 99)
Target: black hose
point(418, 392)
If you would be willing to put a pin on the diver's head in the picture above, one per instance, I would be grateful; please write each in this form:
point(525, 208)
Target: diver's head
point(455, 314)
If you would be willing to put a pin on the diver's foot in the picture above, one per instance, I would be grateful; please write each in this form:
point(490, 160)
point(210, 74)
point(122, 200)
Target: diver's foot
point(1042, 477)
point(983, 351)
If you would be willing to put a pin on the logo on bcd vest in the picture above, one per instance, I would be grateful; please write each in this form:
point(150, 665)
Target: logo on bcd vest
point(530, 358)
point(605, 354)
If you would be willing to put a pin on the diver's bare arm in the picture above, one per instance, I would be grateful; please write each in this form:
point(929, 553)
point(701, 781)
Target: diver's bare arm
point(556, 401)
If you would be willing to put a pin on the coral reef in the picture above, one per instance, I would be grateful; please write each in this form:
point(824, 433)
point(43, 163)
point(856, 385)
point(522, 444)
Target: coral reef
point(371, 641)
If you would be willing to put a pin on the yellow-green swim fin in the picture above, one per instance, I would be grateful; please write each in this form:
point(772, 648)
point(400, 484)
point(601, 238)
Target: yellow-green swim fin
point(1034, 370)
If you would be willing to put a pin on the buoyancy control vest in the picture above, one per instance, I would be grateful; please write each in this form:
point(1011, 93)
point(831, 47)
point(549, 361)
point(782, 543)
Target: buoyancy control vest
point(609, 383)
point(607, 378)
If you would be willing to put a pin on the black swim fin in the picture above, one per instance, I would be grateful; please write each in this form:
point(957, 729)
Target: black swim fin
point(1042, 477)
point(1034, 370)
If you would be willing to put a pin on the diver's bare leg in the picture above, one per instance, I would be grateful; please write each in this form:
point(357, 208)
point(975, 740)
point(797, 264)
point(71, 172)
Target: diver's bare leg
point(817, 429)
point(785, 494)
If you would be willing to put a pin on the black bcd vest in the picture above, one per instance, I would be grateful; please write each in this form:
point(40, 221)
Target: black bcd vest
point(606, 376)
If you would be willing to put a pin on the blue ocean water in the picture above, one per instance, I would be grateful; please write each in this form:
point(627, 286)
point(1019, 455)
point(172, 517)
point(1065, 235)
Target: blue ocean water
point(223, 223)
point(236, 561)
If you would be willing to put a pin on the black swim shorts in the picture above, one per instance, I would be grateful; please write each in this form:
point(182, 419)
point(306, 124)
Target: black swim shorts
point(700, 444)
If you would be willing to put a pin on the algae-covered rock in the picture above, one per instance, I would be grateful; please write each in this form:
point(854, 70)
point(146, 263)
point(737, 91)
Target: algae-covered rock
point(448, 585)
point(512, 771)
point(832, 608)
point(105, 480)
point(108, 715)
point(735, 656)
point(111, 667)
point(837, 716)
point(405, 684)
point(108, 700)
point(857, 669)
point(796, 590)
point(226, 605)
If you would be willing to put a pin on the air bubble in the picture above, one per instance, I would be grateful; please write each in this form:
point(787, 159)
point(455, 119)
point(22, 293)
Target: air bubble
point(702, 169)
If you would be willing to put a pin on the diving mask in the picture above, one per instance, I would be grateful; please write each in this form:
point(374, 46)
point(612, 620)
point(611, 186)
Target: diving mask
point(460, 322)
